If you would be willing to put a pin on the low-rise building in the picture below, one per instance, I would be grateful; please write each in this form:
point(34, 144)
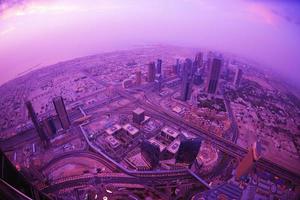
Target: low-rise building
point(161, 146)
point(130, 130)
point(113, 130)
point(174, 146)
point(112, 141)
point(169, 133)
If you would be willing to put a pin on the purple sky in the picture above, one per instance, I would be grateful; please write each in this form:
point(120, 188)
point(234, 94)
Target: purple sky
point(42, 32)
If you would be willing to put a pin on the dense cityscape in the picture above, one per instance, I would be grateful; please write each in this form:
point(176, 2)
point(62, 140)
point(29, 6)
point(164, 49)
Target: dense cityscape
point(154, 122)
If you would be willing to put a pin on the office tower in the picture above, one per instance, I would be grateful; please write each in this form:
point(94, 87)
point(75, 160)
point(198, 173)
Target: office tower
point(187, 82)
point(61, 112)
point(138, 75)
point(49, 126)
point(249, 160)
point(214, 74)
point(13, 185)
point(138, 115)
point(150, 153)
point(159, 64)
point(198, 77)
point(151, 72)
point(186, 89)
point(158, 82)
point(198, 60)
point(176, 67)
point(188, 151)
point(238, 77)
point(35, 122)
point(187, 67)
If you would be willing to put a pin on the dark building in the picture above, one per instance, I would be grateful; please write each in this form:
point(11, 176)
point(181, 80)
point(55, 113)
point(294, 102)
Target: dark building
point(158, 82)
point(238, 77)
point(158, 67)
point(138, 79)
point(36, 123)
point(61, 112)
point(188, 151)
point(13, 185)
point(176, 67)
point(49, 126)
point(138, 115)
point(187, 82)
point(198, 77)
point(187, 67)
point(151, 72)
point(198, 60)
point(150, 153)
point(213, 79)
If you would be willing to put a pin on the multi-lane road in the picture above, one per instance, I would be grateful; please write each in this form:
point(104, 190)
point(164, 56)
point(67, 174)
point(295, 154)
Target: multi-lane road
point(223, 144)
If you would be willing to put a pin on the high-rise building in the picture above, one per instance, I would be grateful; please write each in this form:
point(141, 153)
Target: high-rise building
point(187, 67)
point(198, 59)
point(249, 160)
point(186, 89)
point(138, 115)
point(158, 82)
point(49, 126)
point(188, 151)
point(176, 67)
point(238, 77)
point(198, 77)
point(13, 185)
point(150, 153)
point(187, 82)
point(61, 112)
point(36, 123)
point(138, 76)
point(214, 74)
point(158, 67)
point(151, 72)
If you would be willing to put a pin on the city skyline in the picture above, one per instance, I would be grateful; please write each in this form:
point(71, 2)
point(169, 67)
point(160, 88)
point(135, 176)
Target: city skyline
point(247, 28)
point(149, 100)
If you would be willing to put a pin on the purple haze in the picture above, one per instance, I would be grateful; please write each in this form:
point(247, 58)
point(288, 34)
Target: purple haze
point(38, 33)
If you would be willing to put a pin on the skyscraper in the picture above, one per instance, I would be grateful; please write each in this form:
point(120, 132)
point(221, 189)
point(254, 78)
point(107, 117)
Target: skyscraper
point(151, 72)
point(138, 75)
point(198, 59)
point(35, 122)
point(150, 153)
point(158, 82)
point(176, 67)
point(249, 160)
point(238, 77)
point(214, 74)
point(198, 77)
point(61, 112)
point(159, 64)
point(49, 126)
point(188, 151)
point(187, 82)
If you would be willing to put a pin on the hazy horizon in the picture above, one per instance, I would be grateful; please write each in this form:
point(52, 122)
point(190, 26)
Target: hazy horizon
point(45, 32)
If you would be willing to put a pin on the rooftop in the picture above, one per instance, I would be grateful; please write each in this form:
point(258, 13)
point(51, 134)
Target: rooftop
point(174, 146)
point(139, 111)
point(130, 129)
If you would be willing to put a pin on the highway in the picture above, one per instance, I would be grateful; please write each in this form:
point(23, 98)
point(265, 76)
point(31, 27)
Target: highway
point(108, 178)
point(77, 154)
point(174, 174)
point(151, 177)
point(224, 145)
